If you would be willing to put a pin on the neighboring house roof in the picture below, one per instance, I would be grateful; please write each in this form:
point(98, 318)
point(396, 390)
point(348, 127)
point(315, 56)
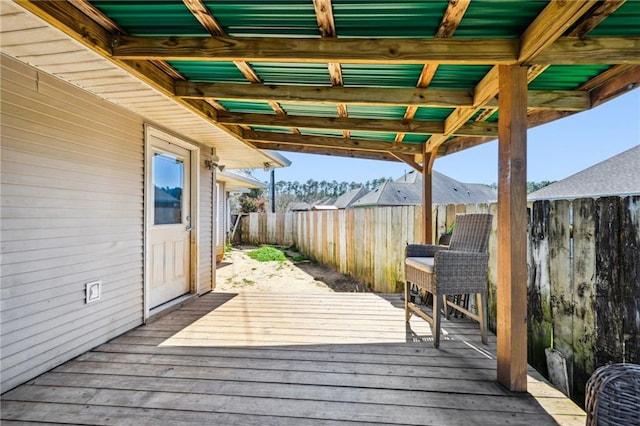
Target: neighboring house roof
point(407, 191)
point(350, 197)
point(299, 206)
point(237, 180)
point(618, 175)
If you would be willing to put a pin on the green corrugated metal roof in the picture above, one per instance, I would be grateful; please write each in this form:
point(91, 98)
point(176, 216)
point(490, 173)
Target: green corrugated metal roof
point(498, 18)
point(273, 18)
point(272, 129)
point(458, 76)
point(356, 75)
point(321, 110)
point(382, 112)
point(152, 18)
point(623, 22)
point(433, 113)
point(384, 18)
point(566, 77)
point(355, 18)
point(292, 73)
point(247, 107)
point(215, 72)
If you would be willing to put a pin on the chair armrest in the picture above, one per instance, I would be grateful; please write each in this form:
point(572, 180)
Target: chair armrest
point(423, 250)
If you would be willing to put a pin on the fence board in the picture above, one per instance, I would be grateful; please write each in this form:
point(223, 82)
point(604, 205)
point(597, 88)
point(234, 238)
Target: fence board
point(609, 333)
point(584, 270)
point(630, 276)
point(561, 286)
point(540, 327)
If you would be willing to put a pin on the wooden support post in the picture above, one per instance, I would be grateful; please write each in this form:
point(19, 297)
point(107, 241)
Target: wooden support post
point(427, 196)
point(512, 228)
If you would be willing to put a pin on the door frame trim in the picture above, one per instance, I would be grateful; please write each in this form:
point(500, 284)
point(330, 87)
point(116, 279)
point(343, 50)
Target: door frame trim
point(154, 132)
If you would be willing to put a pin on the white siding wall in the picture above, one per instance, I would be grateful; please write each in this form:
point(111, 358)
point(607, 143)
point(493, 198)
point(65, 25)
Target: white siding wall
point(72, 212)
point(207, 217)
point(221, 238)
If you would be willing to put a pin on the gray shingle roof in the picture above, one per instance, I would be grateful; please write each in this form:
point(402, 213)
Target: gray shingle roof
point(618, 175)
point(407, 191)
point(350, 197)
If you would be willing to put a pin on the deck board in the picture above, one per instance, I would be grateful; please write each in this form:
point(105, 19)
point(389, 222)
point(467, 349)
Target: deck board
point(342, 358)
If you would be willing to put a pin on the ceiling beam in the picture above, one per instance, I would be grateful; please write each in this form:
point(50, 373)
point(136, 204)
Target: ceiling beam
point(566, 50)
point(416, 97)
point(600, 50)
point(623, 83)
point(354, 124)
point(331, 142)
point(438, 98)
point(554, 20)
point(332, 152)
point(323, 50)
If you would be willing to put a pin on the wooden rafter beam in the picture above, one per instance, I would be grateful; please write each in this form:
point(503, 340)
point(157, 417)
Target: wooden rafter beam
point(323, 50)
point(331, 142)
point(327, 28)
point(409, 160)
point(334, 152)
point(414, 97)
point(596, 15)
point(566, 50)
point(452, 18)
point(605, 77)
point(554, 20)
point(354, 124)
point(623, 83)
point(438, 98)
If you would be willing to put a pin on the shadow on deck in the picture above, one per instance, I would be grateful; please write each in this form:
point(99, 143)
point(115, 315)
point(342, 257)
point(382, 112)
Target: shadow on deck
point(301, 359)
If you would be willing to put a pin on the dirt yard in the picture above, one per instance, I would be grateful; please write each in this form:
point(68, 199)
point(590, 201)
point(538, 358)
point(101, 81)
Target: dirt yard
point(238, 273)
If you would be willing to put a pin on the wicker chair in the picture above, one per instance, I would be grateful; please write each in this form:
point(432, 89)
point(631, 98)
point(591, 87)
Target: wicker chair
point(460, 268)
point(613, 395)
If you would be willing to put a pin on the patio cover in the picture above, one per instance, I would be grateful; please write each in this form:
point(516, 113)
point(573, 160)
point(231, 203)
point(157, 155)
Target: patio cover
point(399, 81)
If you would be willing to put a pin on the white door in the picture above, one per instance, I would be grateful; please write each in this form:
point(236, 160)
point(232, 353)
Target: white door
point(170, 227)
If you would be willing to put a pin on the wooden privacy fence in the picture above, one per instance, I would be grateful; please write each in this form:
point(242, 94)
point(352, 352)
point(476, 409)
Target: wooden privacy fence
point(583, 268)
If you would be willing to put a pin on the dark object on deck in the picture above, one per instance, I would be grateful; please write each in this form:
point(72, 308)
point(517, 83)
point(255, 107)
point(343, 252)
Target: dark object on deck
point(613, 396)
point(460, 268)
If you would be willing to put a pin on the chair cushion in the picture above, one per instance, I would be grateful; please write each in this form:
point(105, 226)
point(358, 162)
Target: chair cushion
point(422, 263)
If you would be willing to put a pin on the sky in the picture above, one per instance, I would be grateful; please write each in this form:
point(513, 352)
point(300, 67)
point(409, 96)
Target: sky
point(555, 151)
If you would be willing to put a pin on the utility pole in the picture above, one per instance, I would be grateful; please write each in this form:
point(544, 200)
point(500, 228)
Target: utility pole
point(272, 190)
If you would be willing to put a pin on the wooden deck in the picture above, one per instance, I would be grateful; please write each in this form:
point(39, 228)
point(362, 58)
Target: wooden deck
point(321, 359)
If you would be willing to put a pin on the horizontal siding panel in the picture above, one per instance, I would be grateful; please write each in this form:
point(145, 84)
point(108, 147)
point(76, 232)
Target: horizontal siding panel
point(91, 242)
point(78, 251)
point(73, 186)
point(47, 233)
point(83, 338)
point(37, 119)
point(38, 291)
point(70, 263)
point(89, 224)
point(65, 311)
point(21, 36)
point(68, 194)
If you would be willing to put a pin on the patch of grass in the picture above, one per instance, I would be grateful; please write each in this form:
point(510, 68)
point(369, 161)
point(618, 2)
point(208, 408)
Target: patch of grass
point(293, 249)
point(248, 281)
point(267, 254)
point(299, 258)
point(228, 247)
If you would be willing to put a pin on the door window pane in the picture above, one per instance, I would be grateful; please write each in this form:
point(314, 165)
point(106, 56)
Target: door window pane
point(168, 182)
